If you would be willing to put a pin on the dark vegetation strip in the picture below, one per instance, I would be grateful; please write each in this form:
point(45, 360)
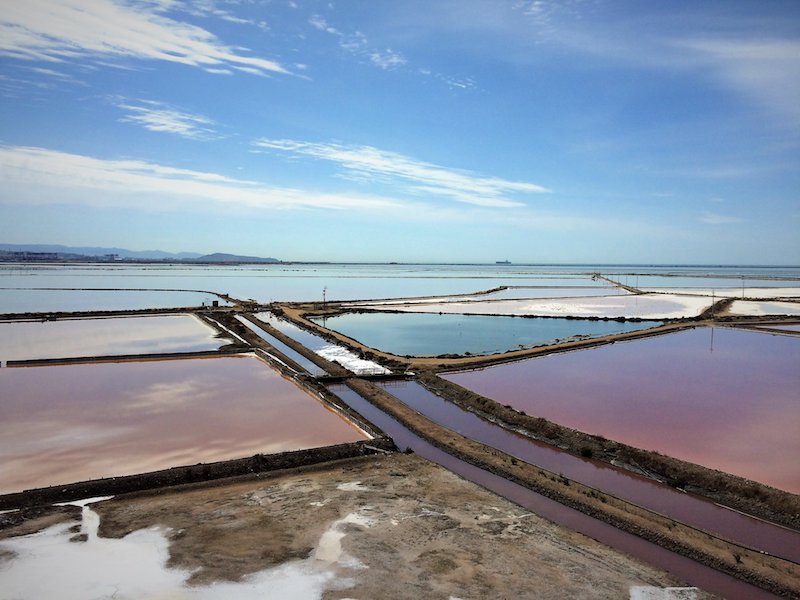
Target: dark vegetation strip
point(770, 573)
point(56, 315)
point(259, 463)
point(735, 492)
point(42, 362)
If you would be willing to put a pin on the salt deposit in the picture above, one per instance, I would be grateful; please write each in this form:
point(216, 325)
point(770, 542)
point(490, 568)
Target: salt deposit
point(104, 567)
point(350, 361)
point(642, 306)
point(749, 308)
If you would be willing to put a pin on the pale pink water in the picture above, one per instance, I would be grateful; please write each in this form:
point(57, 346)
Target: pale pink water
point(731, 402)
point(63, 424)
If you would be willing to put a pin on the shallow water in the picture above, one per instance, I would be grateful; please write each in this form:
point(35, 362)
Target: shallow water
point(723, 398)
point(323, 347)
point(38, 300)
point(433, 334)
point(267, 283)
point(782, 327)
point(71, 423)
point(301, 360)
point(27, 340)
point(287, 282)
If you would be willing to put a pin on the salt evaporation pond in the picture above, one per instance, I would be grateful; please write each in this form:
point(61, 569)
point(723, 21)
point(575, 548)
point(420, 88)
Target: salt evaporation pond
point(638, 306)
point(749, 308)
point(71, 423)
point(118, 336)
point(720, 397)
point(434, 334)
point(293, 282)
point(69, 300)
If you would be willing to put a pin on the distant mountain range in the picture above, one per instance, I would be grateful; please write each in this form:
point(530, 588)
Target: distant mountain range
point(55, 251)
point(219, 257)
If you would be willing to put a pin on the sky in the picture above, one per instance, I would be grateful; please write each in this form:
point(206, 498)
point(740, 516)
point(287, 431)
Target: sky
point(417, 131)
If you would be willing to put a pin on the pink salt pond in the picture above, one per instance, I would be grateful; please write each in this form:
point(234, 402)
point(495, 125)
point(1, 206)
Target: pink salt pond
point(724, 398)
point(63, 424)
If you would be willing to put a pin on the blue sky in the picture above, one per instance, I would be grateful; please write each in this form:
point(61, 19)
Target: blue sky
point(453, 131)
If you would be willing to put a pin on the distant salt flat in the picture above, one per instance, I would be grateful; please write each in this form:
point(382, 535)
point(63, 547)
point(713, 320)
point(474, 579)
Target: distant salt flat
point(510, 293)
point(661, 306)
point(732, 292)
point(748, 308)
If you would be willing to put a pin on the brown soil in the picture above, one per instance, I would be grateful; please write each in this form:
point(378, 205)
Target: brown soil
point(432, 534)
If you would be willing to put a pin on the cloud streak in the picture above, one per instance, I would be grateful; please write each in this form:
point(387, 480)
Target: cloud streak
point(156, 116)
point(764, 69)
point(710, 218)
point(761, 67)
point(421, 177)
point(356, 43)
point(43, 176)
point(91, 30)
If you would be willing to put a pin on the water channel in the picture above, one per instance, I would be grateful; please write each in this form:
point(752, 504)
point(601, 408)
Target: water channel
point(688, 570)
point(687, 508)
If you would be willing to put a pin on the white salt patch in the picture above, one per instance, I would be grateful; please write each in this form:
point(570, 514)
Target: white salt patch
point(352, 486)
point(135, 567)
point(656, 593)
point(761, 309)
point(97, 568)
point(733, 292)
point(85, 502)
point(329, 548)
point(350, 361)
point(642, 306)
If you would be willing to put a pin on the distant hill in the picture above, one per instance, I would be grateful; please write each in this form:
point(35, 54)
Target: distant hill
point(219, 257)
point(98, 251)
point(59, 252)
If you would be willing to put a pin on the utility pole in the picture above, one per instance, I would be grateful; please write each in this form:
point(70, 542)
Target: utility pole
point(712, 304)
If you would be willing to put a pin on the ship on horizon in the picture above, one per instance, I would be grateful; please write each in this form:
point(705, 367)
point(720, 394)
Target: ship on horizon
point(502, 262)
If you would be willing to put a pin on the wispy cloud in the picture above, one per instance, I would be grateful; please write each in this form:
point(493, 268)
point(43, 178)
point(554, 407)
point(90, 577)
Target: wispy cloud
point(710, 218)
point(766, 70)
point(157, 116)
point(763, 67)
point(367, 161)
point(43, 176)
point(387, 60)
point(93, 30)
point(356, 43)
